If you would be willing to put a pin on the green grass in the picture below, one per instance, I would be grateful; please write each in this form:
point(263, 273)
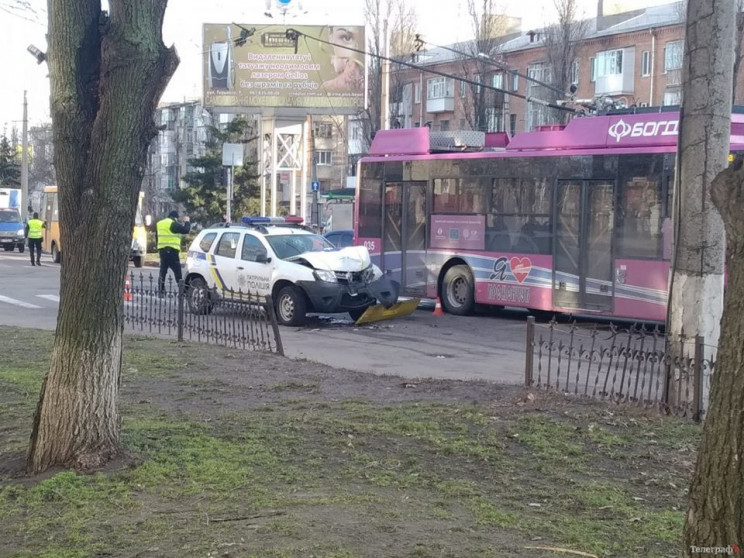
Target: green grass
point(338, 478)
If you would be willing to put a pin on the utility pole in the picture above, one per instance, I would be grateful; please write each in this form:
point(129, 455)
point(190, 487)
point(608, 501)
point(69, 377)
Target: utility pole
point(385, 91)
point(314, 186)
point(25, 202)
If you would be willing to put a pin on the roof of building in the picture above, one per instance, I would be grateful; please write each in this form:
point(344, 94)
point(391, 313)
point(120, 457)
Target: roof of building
point(646, 18)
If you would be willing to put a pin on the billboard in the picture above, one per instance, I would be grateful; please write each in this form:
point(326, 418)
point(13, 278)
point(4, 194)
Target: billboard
point(267, 70)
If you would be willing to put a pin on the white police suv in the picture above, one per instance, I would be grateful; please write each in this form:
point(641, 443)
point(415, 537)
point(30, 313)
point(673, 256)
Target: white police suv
point(301, 270)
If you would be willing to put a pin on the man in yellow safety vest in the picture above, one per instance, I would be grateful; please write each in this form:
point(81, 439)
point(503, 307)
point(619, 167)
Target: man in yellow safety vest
point(34, 232)
point(168, 233)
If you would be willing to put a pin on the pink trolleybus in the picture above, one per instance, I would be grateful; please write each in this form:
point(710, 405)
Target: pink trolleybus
point(573, 219)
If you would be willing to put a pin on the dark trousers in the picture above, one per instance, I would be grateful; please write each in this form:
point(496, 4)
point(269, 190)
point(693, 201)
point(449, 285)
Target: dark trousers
point(169, 259)
point(34, 244)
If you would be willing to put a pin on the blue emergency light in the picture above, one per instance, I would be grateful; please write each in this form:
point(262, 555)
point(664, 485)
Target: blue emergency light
point(293, 220)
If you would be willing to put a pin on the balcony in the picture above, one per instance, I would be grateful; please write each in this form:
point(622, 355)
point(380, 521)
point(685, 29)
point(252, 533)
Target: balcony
point(441, 104)
point(615, 72)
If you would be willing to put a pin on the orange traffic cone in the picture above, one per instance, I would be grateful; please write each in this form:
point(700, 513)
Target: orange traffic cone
point(438, 308)
point(127, 291)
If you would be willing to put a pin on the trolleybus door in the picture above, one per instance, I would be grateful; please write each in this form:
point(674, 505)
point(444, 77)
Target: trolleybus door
point(582, 278)
point(404, 235)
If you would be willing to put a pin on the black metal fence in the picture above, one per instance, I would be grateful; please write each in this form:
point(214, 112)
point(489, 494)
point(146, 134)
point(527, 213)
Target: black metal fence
point(625, 365)
point(232, 318)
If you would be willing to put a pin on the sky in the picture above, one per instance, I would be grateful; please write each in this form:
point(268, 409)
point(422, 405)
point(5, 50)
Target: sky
point(183, 27)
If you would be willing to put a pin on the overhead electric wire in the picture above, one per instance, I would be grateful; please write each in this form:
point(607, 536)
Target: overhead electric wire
point(294, 35)
point(487, 58)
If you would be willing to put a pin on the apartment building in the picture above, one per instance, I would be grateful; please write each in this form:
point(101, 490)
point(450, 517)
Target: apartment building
point(631, 58)
point(183, 135)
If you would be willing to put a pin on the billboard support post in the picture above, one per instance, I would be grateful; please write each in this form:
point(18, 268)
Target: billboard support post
point(232, 156)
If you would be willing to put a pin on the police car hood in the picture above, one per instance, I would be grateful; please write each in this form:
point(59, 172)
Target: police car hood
point(351, 258)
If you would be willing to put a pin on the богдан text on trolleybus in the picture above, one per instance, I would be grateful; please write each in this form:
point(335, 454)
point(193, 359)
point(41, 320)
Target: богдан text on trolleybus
point(573, 219)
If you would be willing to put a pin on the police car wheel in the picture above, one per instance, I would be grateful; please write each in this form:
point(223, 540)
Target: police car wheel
point(21, 248)
point(291, 306)
point(198, 296)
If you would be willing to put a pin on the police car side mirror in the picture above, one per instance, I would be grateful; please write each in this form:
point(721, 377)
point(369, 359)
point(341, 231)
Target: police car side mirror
point(262, 257)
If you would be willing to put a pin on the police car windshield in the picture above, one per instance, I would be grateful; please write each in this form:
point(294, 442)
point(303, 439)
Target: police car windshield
point(289, 245)
point(10, 216)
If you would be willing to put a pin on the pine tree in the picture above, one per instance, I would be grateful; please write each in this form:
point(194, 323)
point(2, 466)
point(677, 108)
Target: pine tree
point(205, 197)
point(10, 170)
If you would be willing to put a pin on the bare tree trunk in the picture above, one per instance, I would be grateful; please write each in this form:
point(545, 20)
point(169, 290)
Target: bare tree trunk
point(696, 298)
point(715, 516)
point(107, 75)
point(738, 56)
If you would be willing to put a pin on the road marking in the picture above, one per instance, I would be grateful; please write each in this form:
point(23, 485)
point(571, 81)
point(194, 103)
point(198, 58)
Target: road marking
point(17, 302)
point(53, 298)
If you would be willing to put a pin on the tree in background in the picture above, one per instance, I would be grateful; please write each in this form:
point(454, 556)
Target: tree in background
point(562, 43)
point(205, 197)
point(41, 165)
point(400, 20)
point(484, 108)
point(107, 72)
point(10, 170)
point(738, 54)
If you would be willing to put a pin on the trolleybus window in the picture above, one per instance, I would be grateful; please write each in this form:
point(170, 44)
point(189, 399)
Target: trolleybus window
point(519, 216)
point(370, 210)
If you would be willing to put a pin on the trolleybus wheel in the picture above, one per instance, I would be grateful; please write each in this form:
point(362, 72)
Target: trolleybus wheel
point(458, 290)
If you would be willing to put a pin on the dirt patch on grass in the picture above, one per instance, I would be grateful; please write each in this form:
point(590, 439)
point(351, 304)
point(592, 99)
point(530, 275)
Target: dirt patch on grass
point(232, 453)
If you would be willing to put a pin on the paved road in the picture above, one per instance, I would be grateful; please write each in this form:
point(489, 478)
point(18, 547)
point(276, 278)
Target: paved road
point(421, 345)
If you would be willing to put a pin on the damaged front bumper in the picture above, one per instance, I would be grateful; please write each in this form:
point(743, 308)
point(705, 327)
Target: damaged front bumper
point(340, 297)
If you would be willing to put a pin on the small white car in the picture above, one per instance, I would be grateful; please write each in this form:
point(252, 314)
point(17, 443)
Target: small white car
point(301, 271)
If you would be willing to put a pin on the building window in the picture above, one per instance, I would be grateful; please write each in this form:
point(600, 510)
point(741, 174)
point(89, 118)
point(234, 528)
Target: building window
point(444, 126)
point(672, 96)
point(592, 70)
point(417, 93)
point(356, 132)
point(463, 89)
point(440, 88)
point(515, 81)
point(608, 63)
point(498, 81)
point(646, 63)
point(673, 54)
point(323, 157)
point(575, 72)
point(493, 119)
point(512, 124)
point(323, 129)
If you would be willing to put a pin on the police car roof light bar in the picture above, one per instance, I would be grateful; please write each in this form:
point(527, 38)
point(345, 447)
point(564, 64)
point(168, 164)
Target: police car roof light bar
point(290, 220)
point(256, 220)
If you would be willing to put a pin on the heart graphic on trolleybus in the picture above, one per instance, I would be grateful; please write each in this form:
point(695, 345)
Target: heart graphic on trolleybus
point(520, 268)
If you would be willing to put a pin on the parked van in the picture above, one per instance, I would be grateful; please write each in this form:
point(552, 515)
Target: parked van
point(12, 230)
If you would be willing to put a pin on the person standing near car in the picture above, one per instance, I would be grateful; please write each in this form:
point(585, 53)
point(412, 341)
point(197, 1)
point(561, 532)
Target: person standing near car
point(34, 232)
point(168, 233)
